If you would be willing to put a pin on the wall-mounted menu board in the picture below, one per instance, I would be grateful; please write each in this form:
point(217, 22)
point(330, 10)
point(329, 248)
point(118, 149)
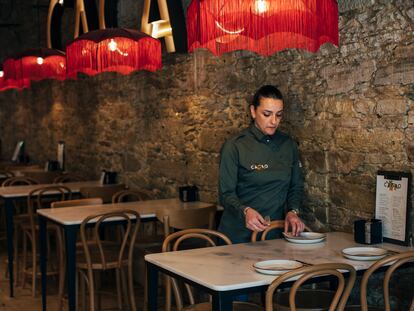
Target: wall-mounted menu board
point(392, 205)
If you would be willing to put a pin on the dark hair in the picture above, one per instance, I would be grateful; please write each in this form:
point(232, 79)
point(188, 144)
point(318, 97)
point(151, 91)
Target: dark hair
point(266, 91)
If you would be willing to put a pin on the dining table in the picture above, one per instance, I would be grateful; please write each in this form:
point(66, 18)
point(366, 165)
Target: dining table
point(15, 193)
point(228, 271)
point(70, 219)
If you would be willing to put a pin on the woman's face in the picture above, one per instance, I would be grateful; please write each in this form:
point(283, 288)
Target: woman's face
point(267, 115)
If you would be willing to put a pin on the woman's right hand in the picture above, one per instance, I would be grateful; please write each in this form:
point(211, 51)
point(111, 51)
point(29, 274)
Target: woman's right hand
point(254, 221)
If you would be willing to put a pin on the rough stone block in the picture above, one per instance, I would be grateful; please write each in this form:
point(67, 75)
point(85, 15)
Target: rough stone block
point(400, 72)
point(391, 106)
point(352, 196)
point(344, 162)
point(341, 79)
point(211, 140)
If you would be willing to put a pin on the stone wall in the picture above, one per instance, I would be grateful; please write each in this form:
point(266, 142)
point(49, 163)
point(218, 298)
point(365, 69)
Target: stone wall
point(349, 108)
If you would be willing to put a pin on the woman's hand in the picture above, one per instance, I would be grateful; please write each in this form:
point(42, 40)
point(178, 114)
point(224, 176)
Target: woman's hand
point(292, 220)
point(254, 221)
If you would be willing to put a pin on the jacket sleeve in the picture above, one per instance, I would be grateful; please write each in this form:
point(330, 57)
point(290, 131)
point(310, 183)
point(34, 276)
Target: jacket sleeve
point(229, 163)
point(295, 192)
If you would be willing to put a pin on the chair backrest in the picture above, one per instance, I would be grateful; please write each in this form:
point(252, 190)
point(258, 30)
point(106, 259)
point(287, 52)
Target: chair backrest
point(308, 272)
point(396, 261)
point(67, 178)
point(131, 195)
point(42, 177)
point(80, 202)
point(187, 218)
point(275, 224)
point(41, 198)
point(172, 243)
point(125, 219)
point(18, 181)
point(105, 192)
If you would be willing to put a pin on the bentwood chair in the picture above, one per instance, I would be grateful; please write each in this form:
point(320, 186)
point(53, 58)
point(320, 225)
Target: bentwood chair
point(20, 215)
point(394, 262)
point(71, 203)
point(42, 198)
point(105, 192)
point(306, 273)
point(64, 178)
point(42, 177)
point(274, 225)
point(19, 181)
point(187, 218)
point(131, 195)
point(101, 255)
point(209, 238)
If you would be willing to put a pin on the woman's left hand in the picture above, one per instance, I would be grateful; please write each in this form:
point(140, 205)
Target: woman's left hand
point(292, 220)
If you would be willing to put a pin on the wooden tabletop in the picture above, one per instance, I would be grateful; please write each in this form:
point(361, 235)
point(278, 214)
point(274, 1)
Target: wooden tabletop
point(22, 191)
point(230, 267)
point(146, 209)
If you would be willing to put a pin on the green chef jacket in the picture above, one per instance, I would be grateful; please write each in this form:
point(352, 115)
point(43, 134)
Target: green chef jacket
point(259, 171)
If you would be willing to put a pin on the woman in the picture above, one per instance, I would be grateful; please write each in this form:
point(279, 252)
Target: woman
point(260, 173)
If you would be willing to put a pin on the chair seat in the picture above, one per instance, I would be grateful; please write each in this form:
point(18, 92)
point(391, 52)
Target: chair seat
point(111, 253)
point(237, 306)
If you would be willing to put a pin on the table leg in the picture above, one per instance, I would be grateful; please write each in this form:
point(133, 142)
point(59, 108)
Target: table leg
point(152, 288)
point(8, 204)
point(43, 257)
point(222, 301)
point(70, 242)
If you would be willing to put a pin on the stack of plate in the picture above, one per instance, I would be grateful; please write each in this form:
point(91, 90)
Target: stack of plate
point(364, 253)
point(277, 266)
point(305, 237)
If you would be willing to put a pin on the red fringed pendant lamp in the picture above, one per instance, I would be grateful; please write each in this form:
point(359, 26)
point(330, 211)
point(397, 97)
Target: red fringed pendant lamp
point(114, 49)
point(35, 65)
point(6, 84)
point(262, 26)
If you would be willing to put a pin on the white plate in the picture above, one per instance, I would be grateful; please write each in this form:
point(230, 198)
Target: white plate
point(277, 266)
point(305, 237)
point(364, 253)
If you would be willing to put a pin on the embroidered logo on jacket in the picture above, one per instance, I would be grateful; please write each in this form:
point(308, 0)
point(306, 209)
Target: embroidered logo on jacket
point(259, 167)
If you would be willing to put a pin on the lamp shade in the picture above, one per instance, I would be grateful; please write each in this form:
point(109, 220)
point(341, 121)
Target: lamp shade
point(115, 49)
point(261, 26)
point(35, 65)
point(6, 84)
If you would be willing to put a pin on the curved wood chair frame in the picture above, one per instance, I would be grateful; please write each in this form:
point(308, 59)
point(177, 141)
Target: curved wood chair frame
point(19, 180)
point(187, 218)
point(275, 224)
point(35, 200)
point(105, 192)
point(67, 178)
point(20, 216)
point(42, 177)
point(396, 261)
point(125, 255)
point(342, 292)
point(172, 243)
point(140, 195)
